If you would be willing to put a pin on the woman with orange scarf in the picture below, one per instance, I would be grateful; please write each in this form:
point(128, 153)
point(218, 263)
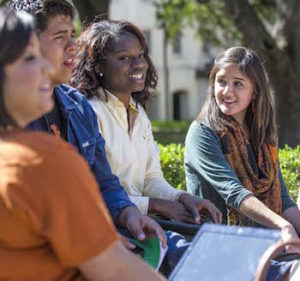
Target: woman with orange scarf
point(231, 149)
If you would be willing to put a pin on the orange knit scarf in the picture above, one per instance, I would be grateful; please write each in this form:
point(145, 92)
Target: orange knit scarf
point(263, 182)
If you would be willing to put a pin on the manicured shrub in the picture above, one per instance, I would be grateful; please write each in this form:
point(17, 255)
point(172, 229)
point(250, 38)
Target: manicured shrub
point(172, 158)
point(290, 168)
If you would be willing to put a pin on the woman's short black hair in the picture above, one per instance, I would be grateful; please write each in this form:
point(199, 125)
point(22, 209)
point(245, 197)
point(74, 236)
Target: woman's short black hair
point(15, 31)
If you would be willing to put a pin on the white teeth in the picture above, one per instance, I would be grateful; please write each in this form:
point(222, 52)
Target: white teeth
point(136, 76)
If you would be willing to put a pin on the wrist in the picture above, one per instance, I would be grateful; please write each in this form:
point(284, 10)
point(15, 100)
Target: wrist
point(156, 206)
point(287, 227)
point(124, 214)
point(183, 197)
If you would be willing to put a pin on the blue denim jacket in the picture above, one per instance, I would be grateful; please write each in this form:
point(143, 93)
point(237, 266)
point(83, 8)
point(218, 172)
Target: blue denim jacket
point(81, 124)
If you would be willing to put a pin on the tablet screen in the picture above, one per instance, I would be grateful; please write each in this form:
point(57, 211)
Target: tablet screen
point(219, 252)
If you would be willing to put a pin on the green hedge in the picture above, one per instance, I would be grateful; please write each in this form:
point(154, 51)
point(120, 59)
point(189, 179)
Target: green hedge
point(166, 132)
point(290, 168)
point(171, 158)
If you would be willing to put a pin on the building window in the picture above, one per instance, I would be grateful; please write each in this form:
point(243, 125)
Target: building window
point(180, 105)
point(147, 34)
point(177, 45)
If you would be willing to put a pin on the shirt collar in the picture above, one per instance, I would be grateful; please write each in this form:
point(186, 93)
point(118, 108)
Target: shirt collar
point(113, 102)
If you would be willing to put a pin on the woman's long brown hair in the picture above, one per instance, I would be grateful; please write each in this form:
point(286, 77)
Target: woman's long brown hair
point(260, 116)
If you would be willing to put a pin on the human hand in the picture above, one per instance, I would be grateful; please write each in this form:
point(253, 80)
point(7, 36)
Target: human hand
point(172, 210)
point(288, 233)
point(140, 225)
point(126, 243)
point(196, 206)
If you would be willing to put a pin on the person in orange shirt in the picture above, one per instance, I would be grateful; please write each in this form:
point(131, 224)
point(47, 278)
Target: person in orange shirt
point(73, 119)
point(45, 234)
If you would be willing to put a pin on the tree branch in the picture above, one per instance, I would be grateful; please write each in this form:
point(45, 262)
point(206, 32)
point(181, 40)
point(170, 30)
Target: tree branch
point(245, 18)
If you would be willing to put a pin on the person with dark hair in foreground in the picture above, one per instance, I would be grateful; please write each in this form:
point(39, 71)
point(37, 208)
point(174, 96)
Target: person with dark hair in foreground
point(54, 224)
point(73, 119)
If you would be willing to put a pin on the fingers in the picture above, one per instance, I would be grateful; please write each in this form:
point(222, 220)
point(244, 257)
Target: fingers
point(161, 236)
point(150, 226)
point(126, 243)
point(191, 220)
point(134, 226)
point(194, 212)
point(212, 209)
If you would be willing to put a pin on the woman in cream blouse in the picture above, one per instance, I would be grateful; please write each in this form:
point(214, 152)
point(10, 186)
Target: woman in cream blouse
point(114, 71)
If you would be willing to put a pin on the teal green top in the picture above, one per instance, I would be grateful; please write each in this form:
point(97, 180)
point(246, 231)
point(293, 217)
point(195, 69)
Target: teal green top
point(209, 175)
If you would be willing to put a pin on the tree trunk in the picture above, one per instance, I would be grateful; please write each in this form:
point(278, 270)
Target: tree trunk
point(281, 63)
point(89, 9)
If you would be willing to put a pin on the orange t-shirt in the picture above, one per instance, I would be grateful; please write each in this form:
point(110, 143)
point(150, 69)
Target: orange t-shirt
point(52, 215)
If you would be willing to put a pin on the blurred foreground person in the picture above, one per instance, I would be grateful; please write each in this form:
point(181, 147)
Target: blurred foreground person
point(73, 119)
point(54, 225)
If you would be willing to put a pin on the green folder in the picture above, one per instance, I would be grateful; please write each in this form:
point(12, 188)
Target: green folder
point(153, 252)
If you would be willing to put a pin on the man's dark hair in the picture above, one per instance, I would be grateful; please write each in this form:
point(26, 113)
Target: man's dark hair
point(42, 10)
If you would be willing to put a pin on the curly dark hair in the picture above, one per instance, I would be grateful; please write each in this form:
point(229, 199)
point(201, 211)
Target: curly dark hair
point(42, 10)
point(16, 29)
point(93, 45)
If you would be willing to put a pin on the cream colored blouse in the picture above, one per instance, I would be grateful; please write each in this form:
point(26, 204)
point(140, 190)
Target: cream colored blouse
point(132, 154)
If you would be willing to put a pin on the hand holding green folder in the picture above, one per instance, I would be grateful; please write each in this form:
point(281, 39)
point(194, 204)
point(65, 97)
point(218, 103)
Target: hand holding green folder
point(153, 252)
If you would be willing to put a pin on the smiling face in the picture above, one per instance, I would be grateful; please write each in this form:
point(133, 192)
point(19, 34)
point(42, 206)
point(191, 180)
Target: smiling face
point(59, 48)
point(124, 68)
point(27, 86)
point(233, 92)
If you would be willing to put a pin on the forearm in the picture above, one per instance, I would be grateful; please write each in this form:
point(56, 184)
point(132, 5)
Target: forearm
point(125, 266)
point(258, 212)
point(158, 187)
point(293, 216)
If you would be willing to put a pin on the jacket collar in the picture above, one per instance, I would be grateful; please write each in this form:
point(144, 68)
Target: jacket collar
point(61, 92)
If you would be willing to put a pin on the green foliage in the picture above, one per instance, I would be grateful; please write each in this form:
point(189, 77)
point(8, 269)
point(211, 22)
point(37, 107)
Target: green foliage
point(77, 27)
point(170, 125)
point(207, 16)
point(166, 132)
point(172, 163)
point(290, 168)
point(171, 159)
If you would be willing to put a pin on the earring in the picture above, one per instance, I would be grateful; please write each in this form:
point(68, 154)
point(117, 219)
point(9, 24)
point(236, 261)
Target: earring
point(100, 74)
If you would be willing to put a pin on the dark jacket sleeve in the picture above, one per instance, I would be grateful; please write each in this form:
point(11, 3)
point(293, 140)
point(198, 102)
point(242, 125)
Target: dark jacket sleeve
point(84, 135)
